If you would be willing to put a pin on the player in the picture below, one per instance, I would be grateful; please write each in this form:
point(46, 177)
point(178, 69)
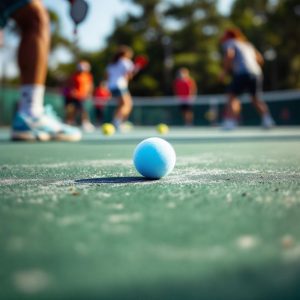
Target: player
point(32, 122)
point(185, 89)
point(119, 72)
point(100, 97)
point(79, 88)
point(243, 62)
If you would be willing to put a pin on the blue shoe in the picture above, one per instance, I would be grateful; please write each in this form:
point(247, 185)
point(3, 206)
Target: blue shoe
point(28, 129)
point(229, 124)
point(44, 128)
point(267, 122)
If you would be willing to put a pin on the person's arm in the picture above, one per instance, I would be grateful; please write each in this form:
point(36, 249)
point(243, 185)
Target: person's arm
point(259, 57)
point(227, 62)
point(129, 70)
point(1, 38)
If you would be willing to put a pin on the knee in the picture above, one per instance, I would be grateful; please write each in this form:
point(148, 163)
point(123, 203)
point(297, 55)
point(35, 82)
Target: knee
point(35, 20)
point(255, 100)
point(232, 98)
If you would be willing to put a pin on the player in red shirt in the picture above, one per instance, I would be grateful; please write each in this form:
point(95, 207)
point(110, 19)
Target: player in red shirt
point(185, 89)
point(100, 97)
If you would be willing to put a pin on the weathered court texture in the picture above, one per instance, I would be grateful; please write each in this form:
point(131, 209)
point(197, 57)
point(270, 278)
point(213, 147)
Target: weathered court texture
point(78, 222)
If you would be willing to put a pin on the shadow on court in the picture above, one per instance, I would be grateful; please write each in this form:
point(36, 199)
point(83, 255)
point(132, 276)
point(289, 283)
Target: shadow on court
point(113, 180)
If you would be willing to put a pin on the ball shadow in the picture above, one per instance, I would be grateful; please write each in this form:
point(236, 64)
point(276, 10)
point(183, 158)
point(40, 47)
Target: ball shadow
point(112, 180)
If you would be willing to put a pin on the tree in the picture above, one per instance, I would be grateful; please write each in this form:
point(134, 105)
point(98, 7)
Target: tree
point(196, 40)
point(273, 28)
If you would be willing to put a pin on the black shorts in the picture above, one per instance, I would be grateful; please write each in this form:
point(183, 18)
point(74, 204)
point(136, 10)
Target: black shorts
point(77, 104)
point(8, 7)
point(117, 92)
point(246, 83)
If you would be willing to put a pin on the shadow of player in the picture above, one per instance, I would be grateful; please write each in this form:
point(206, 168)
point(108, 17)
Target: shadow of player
point(114, 180)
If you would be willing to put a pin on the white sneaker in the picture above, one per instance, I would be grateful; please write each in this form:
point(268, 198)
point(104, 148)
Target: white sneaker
point(44, 128)
point(88, 126)
point(229, 124)
point(267, 122)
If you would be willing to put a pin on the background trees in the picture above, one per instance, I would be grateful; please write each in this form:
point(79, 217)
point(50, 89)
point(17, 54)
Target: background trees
point(186, 33)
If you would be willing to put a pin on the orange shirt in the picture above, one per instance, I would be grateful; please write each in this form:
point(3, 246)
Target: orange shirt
point(81, 85)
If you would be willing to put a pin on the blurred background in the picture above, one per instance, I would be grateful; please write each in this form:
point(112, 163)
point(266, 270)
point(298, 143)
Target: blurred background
point(174, 34)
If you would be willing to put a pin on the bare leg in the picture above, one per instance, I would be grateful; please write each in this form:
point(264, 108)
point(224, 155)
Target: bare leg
point(33, 51)
point(32, 122)
point(260, 106)
point(124, 108)
point(70, 114)
point(233, 107)
point(263, 110)
point(232, 112)
point(188, 117)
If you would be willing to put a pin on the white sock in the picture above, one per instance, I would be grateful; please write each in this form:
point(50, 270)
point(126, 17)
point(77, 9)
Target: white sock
point(32, 100)
point(267, 120)
point(117, 122)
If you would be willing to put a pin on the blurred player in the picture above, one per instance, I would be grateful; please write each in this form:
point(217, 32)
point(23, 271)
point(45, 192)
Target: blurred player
point(100, 97)
point(119, 72)
point(243, 62)
point(185, 89)
point(32, 122)
point(79, 89)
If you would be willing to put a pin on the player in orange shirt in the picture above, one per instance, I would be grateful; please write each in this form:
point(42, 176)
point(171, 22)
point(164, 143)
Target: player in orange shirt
point(79, 88)
point(185, 89)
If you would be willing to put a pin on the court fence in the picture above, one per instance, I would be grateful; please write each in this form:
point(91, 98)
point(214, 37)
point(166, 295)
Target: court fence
point(208, 109)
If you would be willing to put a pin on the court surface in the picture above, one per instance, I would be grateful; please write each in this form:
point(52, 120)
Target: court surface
point(78, 222)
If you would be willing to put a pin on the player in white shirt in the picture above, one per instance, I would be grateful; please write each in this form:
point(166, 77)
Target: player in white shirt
point(119, 72)
point(243, 62)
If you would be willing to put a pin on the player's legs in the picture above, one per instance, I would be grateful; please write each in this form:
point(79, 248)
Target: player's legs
point(187, 114)
point(33, 51)
point(33, 22)
point(33, 121)
point(123, 109)
point(70, 111)
point(259, 105)
point(232, 112)
point(85, 119)
point(99, 113)
point(255, 89)
point(233, 107)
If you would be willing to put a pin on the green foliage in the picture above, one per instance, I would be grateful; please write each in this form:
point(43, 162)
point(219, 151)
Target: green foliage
point(273, 25)
point(186, 33)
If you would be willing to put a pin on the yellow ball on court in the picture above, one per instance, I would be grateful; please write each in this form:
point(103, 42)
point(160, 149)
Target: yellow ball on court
point(162, 128)
point(108, 129)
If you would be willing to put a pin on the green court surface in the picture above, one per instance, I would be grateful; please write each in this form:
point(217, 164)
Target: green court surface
point(78, 222)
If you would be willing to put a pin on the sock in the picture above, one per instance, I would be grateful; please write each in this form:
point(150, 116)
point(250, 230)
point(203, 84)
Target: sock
point(32, 100)
point(117, 122)
point(267, 120)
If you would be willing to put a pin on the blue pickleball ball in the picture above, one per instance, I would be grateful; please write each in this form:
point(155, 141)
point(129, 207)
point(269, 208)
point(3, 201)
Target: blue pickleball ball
point(154, 158)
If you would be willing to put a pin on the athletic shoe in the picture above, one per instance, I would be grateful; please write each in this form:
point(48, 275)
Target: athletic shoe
point(88, 126)
point(126, 126)
point(26, 128)
point(267, 122)
point(229, 124)
point(43, 128)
